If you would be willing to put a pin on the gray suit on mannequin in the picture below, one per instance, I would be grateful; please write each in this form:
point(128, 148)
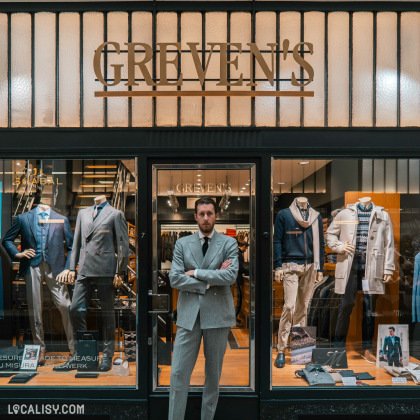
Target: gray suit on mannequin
point(97, 241)
point(204, 266)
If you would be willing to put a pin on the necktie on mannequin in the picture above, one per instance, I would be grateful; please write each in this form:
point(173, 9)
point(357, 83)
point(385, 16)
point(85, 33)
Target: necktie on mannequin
point(95, 212)
point(205, 245)
point(43, 216)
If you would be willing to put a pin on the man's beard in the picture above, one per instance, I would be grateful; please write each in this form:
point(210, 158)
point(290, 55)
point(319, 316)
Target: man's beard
point(206, 228)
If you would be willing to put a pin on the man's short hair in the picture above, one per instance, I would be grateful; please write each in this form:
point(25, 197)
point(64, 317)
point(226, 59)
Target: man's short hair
point(391, 328)
point(205, 200)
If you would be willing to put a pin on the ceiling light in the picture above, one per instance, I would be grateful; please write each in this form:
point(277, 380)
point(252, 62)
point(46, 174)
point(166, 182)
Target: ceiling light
point(198, 174)
point(246, 184)
point(101, 167)
point(281, 183)
point(305, 162)
point(17, 163)
point(238, 198)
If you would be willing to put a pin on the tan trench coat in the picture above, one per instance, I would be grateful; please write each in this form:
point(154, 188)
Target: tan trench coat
point(380, 247)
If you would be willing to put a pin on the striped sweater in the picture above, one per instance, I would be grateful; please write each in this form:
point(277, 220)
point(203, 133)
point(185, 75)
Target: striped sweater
point(363, 217)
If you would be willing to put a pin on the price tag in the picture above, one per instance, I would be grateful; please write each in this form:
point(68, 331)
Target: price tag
point(399, 380)
point(293, 267)
point(349, 381)
point(365, 285)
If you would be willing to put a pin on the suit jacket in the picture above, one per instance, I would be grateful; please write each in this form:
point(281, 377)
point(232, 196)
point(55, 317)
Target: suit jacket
point(392, 350)
point(60, 239)
point(215, 304)
point(97, 241)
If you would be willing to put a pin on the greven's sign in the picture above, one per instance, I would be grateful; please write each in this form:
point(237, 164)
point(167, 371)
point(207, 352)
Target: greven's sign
point(229, 54)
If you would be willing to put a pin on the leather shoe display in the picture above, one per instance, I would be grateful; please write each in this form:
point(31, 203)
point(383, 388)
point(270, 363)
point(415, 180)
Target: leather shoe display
point(41, 359)
point(106, 364)
point(280, 361)
point(71, 364)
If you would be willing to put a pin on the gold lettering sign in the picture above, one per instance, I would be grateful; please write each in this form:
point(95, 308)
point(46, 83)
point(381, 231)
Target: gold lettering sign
point(229, 52)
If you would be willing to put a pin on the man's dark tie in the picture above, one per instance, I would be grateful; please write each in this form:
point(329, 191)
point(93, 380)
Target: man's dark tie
point(205, 245)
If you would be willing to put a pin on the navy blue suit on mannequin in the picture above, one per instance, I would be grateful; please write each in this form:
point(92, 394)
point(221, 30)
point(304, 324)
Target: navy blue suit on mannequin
point(50, 241)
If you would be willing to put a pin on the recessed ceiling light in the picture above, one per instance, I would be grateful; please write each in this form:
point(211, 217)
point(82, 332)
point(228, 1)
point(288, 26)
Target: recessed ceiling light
point(246, 184)
point(17, 163)
point(281, 183)
point(305, 162)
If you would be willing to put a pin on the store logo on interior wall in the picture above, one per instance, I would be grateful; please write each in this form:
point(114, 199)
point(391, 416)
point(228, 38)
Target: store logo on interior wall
point(166, 59)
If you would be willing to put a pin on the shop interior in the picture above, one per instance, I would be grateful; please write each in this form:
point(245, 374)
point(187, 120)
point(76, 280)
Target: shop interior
point(329, 187)
point(176, 193)
point(65, 188)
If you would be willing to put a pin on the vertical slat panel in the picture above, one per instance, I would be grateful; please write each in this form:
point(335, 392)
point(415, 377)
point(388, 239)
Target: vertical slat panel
point(362, 69)
point(402, 176)
point(4, 78)
point(315, 33)
point(45, 69)
point(378, 175)
point(413, 176)
point(117, 32)
point(410, 69)
point(69, 76)
point(93, 36)
point(21, 69)
point(338, 69)
point(166, 108)
point(390, 175)
point(191, 30)
point(240, 108)
point(367, 172)
point(290, 30)
point(386, 71)
point(265, 107)
point(142, 32)
point(216, 31)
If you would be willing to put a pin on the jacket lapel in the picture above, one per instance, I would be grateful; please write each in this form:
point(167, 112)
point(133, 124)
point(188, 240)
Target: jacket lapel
point(195, 247)
point(106, 211)
point(214, 247)
point(51, 226)
point(33, 220)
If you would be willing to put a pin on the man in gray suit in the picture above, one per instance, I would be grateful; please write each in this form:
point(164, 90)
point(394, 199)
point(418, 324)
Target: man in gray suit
point(204, 265)
point(100, 248)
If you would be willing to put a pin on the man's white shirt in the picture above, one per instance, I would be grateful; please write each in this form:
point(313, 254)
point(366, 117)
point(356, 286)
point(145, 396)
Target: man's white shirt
point(201, 236)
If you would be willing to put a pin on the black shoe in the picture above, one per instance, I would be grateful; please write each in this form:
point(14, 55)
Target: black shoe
point(106, 364)
point(71, 364)
point(280, 361)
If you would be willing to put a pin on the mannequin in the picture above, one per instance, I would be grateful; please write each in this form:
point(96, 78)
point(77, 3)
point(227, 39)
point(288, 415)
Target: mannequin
point(362, 236)
point(100, 255)
point(298, 262)
point(70, 276)
point(279, 274)
point(44, 233)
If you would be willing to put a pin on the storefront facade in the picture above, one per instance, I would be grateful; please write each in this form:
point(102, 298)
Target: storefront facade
point(155, 104)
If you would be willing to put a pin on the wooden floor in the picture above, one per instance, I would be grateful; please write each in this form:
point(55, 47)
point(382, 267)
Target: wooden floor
point(47, 377)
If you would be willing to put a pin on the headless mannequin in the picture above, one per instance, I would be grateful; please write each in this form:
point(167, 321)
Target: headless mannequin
point(30, 253)
point(279, 274)
point(349, 248)
point(70, 277)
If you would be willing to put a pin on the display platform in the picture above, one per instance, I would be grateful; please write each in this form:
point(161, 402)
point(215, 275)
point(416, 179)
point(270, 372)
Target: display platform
point(47, 377)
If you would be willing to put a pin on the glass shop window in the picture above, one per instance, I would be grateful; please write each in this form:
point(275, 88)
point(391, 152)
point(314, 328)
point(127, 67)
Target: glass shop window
point(68, 272)
point(346, 272)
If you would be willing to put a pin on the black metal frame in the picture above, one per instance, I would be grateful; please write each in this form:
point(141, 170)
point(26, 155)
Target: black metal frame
point(206, 145)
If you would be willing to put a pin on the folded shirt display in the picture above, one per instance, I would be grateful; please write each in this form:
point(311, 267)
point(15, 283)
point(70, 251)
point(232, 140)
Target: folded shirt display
point(315, 375)
point(411, 372)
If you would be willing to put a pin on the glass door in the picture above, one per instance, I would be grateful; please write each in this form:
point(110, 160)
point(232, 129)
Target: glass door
point(176, 188)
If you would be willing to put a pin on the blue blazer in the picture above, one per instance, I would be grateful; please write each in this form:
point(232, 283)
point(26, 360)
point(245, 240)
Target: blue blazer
point(60, 239)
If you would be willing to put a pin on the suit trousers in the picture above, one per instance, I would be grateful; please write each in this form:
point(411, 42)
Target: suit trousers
point(34, 278)
point(298, 288)
point(82, 295)
point(354, 284)
point(393, 360)
point(186, 348)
